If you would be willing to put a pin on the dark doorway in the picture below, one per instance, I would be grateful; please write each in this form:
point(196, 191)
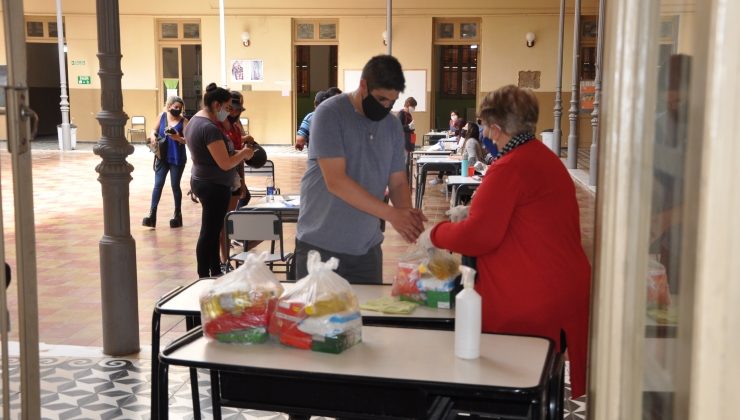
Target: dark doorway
point(316, 69)
point(43, 85)
point(455, 81)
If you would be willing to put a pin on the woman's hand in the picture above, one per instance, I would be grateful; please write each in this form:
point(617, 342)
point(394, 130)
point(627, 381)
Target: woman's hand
point(246, 153)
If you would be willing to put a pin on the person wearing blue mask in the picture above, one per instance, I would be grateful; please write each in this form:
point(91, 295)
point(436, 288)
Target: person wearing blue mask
point(488, 145)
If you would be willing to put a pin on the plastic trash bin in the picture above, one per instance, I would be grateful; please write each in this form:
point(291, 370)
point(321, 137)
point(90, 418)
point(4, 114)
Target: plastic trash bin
point(548, 137)
point(72, 136)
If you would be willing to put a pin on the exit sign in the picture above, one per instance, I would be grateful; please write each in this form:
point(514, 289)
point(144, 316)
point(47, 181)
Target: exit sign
point(83, 80)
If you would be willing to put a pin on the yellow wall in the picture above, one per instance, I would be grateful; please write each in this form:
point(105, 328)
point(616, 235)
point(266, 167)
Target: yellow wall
point(502, 54)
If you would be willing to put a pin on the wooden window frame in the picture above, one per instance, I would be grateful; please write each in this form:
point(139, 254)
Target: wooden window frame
point(45, 21)
point(180, 30)
point(461, 67)
point(316, 40)
point(457, 38)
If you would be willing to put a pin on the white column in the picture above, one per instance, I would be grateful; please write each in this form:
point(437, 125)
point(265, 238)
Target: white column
point(389, 25)
point(64, 103)
point(557, 132)
point(222, 42)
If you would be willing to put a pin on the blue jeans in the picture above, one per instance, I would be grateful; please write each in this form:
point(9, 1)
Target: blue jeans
point(160, 175)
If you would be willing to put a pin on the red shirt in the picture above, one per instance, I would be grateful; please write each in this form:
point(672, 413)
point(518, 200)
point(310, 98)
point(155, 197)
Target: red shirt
point(533, 275)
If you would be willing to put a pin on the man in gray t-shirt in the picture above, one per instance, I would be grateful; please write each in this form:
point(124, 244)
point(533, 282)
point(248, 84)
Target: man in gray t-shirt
point(357, 151)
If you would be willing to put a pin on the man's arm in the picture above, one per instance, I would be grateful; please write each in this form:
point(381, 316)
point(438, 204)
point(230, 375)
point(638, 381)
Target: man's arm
point(403, 218)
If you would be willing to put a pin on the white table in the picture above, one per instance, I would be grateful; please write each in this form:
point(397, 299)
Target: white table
point(288, 206)
point(432, 163)
point(392, 373)
point(434, 135)
point(460, 183)
point(185, 301)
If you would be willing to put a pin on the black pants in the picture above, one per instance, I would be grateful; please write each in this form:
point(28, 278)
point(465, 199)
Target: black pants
point(214, 198)
point(362, 269)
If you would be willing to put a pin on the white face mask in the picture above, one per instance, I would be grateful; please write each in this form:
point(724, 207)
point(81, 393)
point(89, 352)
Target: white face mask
point(221, 114)
point(453, 117)
point(412, 109)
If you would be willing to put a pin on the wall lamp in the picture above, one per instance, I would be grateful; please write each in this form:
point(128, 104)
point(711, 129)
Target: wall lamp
point(245, 39)
point(385, 38)
point(530, 39)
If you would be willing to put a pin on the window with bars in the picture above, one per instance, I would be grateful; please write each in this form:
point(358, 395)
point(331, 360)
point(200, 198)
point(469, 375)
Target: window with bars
point(458, 70)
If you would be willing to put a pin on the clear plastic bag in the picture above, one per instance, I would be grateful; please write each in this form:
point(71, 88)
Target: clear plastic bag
point(426, 277)
point(320, 312)
point(239, 305)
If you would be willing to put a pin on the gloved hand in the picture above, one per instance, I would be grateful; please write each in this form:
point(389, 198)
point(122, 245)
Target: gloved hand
point(425, 240)
point(412, 125)
point(458, 214)
point(480, 166)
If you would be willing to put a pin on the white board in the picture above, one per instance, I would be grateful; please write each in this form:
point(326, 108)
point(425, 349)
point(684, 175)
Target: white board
point(416, 86)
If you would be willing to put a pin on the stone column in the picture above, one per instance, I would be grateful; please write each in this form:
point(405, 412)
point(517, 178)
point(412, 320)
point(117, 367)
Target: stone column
point(574, 95)
point(595, 118)
point(558, 109)
point(117, 246)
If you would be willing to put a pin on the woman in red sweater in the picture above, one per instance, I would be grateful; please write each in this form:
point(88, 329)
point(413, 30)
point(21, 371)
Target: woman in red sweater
point(523, 227)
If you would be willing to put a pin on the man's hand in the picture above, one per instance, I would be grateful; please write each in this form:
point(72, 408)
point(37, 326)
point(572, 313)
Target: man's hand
point(300, 142)
point(408, 222)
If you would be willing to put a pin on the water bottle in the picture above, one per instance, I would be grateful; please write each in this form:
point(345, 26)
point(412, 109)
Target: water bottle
point(464, 167)
point(270, 189)
point(467, 317)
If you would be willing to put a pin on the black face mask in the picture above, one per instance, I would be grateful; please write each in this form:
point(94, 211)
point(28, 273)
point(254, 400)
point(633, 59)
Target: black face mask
point(374, 109)
point(175, 112)
point(232, 119)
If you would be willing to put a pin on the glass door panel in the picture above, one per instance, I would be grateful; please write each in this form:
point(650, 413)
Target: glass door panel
point(669, 285)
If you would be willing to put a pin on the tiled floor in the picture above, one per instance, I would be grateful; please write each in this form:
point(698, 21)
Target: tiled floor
point(68, 215)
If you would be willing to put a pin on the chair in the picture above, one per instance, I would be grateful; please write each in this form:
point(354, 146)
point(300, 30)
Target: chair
point(266, 171)
point(138, 127)
point(245, 226)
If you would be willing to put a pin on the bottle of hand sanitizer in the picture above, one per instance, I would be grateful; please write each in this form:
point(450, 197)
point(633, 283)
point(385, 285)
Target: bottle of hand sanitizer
point(467, 317)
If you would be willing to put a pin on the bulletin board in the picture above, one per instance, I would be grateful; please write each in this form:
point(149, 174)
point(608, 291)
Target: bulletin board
point(416, 86)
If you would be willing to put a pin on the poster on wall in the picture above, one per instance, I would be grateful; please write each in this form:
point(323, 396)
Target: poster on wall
point(247, 70)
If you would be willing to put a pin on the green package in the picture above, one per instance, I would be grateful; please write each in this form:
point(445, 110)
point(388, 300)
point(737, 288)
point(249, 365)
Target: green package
point(246, 336)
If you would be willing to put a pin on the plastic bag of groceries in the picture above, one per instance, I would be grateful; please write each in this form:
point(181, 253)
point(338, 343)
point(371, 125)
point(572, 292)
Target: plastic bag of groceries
point(239, 305)
point(427, 277)
point(320, 312)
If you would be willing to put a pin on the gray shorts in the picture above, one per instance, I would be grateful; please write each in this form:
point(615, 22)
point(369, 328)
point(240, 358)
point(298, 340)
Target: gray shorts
point(359, 269)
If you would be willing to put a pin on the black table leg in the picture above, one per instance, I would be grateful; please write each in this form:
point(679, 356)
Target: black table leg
point(215, 395)
point(191, 323)
point(162, 393)
point(155, 365)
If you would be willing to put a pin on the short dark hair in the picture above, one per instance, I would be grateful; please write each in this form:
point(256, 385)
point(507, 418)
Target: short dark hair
point(319, 98)
point(384, 72)
point(410, 101)
point(332, 91)
point(215, 94)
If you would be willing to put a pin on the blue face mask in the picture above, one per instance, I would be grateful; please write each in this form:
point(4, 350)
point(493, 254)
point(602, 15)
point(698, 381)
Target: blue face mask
point(490, 146)
point(222, 114)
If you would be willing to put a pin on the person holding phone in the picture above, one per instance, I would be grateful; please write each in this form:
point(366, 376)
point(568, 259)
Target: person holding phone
point(171, 126)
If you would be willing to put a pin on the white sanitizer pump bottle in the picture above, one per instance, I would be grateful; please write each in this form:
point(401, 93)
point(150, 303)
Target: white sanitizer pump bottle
point(467, 317)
